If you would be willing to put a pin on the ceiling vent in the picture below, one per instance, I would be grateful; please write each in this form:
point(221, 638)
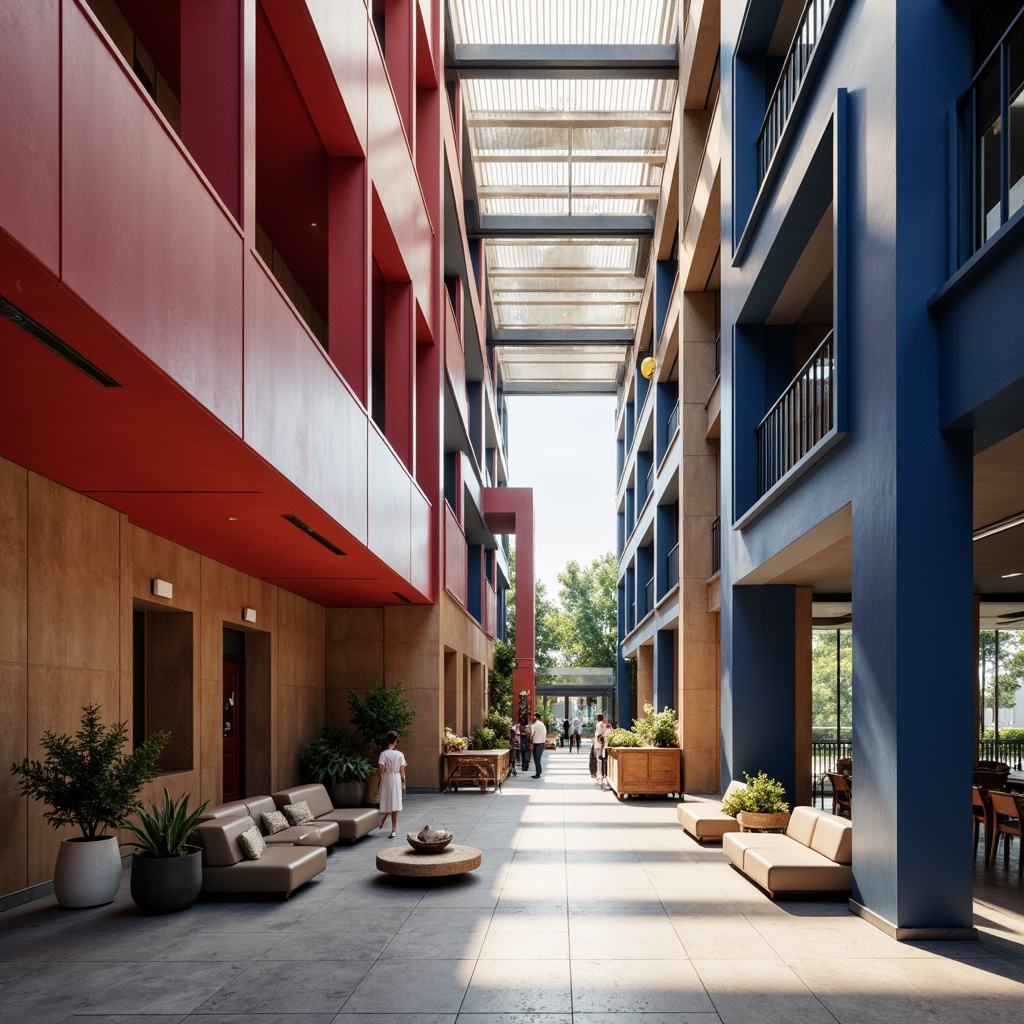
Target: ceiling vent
point(298, 523)
point(54, 344)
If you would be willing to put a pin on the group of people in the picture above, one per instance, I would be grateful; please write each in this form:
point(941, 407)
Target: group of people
point(524, 743)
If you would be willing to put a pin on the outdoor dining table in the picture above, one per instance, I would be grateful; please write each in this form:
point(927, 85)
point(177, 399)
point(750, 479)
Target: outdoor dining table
point(496, 776)
point(1015, 780)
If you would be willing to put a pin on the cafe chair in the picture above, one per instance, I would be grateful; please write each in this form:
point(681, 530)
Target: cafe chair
point(999, 766)
point(982, 816)
point(990, 778)
point(842, 795)
point(1006, 823)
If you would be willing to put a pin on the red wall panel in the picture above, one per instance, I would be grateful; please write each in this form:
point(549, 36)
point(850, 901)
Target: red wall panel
point(388, 497)
point(145, 241)
point(30, 127)
point(456, 559)
point(396, 183)
point(298, 413)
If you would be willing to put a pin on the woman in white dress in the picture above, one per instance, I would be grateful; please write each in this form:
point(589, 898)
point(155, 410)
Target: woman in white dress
point(391, 771)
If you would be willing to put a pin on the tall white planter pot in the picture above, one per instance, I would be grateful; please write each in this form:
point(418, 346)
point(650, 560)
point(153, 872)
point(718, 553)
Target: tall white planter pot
point(88, 871)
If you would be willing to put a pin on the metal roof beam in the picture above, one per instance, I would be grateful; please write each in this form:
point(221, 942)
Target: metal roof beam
point(564, 227)
point(615, 61)
point(561, 336)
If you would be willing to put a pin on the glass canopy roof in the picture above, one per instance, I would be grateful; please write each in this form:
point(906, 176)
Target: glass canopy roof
point(568, 110)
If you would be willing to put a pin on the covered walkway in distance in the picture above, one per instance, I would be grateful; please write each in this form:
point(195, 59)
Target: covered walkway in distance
point(584, 691)
point(584, 911)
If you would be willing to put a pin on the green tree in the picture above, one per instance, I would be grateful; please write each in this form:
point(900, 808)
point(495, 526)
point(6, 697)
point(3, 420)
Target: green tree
point(1011, 666)
point(503, 661)
point(587, 624)
point(823, 679)
point(545, 620)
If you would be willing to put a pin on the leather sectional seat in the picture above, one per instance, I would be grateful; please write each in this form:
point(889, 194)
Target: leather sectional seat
point(705, 821)
point(352, 822)
point(281, 868)
point(813, 856)
point(314, 833)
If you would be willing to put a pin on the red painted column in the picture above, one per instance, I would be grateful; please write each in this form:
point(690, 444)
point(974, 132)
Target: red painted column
point(348, 287)
point(510, 510)
point(212, 86)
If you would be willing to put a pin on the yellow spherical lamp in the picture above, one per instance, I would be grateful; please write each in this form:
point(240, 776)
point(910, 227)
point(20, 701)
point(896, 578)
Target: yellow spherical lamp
point(648, 366)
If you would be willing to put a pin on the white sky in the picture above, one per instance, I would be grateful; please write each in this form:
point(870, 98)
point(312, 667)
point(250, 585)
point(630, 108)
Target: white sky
point(563, 446)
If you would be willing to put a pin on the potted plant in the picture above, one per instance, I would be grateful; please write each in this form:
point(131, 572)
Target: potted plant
point(167, 871)
point(646, 759)
point(333, 763)
point(384, 708)
point(760, 806)
point(89, 781)
point(450, 743)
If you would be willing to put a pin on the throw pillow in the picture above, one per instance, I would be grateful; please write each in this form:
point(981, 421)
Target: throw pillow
point(298, 814)
point(252, 843)
point(273, 821)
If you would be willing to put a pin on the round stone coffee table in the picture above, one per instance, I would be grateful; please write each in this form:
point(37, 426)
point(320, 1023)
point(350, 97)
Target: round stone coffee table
point(404, 860)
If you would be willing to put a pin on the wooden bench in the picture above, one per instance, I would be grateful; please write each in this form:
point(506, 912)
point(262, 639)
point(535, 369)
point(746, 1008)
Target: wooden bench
point(477, 771)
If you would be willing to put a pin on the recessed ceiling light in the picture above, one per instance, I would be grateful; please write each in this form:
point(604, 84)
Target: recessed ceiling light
point(232, 519)
point(312, 223)
point(1010, 575)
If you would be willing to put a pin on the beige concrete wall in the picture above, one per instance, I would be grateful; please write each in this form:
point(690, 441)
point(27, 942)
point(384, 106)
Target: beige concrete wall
point(697, 642)
point(440, 655)
point(71, 572)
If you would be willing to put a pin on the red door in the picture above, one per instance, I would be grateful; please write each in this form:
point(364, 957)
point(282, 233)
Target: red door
point(233, 742)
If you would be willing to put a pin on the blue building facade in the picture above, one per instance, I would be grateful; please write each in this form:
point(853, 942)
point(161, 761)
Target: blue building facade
point(872, 369)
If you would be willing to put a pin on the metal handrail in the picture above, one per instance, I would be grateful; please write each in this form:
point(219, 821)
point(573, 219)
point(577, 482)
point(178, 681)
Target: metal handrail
point(673, 421)
point(803, 415)
point(716, 545)
point(794, 69)
point(672, 568)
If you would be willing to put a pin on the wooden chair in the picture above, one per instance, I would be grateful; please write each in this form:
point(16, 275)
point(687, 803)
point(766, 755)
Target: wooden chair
point(844, 766)
point(999, 766)
point(982, 816)
point(842, 795)
point(1006, 823)
point(990, 778)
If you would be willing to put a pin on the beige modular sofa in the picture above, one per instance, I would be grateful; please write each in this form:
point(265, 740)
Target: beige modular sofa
point(281, 870)
point(705, 821)
point(353, 822)
point(813, 856)
point(313, 833)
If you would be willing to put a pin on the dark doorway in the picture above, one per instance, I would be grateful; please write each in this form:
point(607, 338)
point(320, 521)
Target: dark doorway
point(233, 723)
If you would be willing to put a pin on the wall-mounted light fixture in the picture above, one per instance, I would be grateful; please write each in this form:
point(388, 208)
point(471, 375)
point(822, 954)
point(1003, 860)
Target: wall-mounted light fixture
point(248, 614)
point(161, 588)
point(648, 366)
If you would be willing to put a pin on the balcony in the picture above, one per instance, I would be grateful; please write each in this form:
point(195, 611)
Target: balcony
point(673, 422)
point(802, 417)
point(808, 35)
point(648, 598)
point(456, 562)
point(991, 122)
point(716, 545)
point(672, 569)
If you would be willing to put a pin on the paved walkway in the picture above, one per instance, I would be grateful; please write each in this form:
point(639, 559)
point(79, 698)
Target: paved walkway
point(585, 911)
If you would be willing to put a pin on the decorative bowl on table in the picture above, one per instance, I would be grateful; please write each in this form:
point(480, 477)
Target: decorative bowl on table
point(428, 840)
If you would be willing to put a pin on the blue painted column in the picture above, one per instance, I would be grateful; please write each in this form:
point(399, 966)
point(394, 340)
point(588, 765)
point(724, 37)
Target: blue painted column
point(665, 669)
point(759, 684)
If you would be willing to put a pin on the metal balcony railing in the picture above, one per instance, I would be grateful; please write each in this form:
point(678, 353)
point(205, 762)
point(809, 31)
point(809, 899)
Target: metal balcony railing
point(718, 357)
point(648, 597)
point(716, 545)
point(803, 415)
point(649, 484)
point(672, 568)
point(794, 69)
point(673, 421)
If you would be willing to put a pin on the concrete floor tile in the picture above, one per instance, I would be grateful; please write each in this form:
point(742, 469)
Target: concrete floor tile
point(440, 933)
point(434, 986)
point(515, 1018)
point(637, 986)
point(716, 938)
point(762, 992)
point(631, 938)
point(696, 1017)
point(293, 986)
point(543, 987)
point(525, 945)
point(915, 991)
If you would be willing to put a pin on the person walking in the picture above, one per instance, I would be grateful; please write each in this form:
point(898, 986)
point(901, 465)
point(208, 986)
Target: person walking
point(513, 746)
point(597, 750)
point(391, 772)
point(574, 738)
point(539, 735)
point(565, 731)
point(525, 747)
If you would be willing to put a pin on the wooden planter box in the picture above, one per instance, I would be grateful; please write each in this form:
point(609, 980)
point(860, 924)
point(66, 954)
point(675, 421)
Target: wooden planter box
point(645, 770)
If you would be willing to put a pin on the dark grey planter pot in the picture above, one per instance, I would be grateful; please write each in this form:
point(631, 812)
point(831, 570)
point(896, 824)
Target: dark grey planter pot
point(164, 885)
point(348, 794)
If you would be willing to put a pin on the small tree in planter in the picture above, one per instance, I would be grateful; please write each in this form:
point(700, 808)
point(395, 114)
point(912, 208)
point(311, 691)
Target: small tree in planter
point(89, 781)
point(760, 805)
